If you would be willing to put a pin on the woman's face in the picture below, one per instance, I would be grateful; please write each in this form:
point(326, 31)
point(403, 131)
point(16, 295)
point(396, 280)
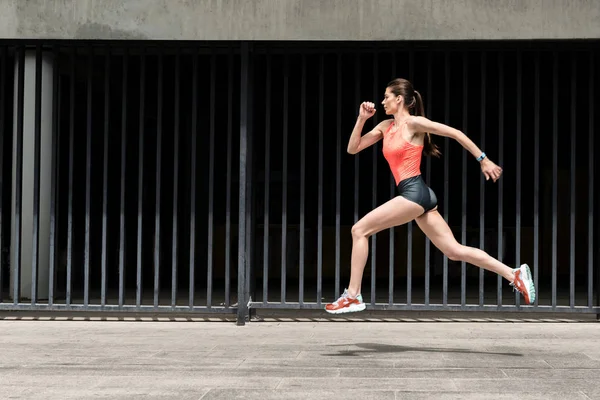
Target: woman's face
point(391, 102)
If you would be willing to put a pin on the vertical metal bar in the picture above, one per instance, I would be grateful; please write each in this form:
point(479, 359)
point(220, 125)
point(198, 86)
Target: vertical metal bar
point(244, 95)
point(286, 74)
point(409, 225)
point(411, 66)
point(446, 167)
point(159, 118)
point(125, 67)
point(573, 177)
point(211, 183)
point(302, 178)
point(536, 177)
point(591, 186)
point(250, 226)
point(519, 163)
point(500, 162)
point(409, 239)
point(193, 160)
point(554, 175)
point(19, 175)
point(175, 242)
point(71, 168)
point(56, 106)
point(391, 251)
point(356, 156)
point(374, 192)
point(392, 229)
point(267, 205)
point(598, 286)
point(428, 175)
point(320, 193)
point(36, 174)
point(141, 149)
point(463, 267)
point(338, 174)
point(3, 57)
point(105, 175)
point(483, 86)
point(229, 173)
point(88, 179)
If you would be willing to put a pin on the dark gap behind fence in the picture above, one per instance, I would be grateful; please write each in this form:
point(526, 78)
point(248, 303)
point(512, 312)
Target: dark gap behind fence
point(227, 62)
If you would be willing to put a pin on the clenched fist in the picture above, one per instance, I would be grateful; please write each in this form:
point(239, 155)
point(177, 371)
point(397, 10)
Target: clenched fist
point(366, 110)
point(490, 170)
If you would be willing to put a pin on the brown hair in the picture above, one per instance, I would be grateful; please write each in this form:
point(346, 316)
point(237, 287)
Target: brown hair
point(414, 102)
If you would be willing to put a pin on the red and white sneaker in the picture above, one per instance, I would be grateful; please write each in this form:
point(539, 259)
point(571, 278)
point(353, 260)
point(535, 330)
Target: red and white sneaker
point(524, 283)
point(346, 304)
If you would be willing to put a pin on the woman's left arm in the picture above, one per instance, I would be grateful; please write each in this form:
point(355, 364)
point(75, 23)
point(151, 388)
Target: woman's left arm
point(489, 168)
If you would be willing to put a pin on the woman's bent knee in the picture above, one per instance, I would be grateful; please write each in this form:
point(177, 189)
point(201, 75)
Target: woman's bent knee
point(357, 231)
point(456, 253)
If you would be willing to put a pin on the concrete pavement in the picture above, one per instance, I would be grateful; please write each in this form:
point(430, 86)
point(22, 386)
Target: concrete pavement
point(315, 359)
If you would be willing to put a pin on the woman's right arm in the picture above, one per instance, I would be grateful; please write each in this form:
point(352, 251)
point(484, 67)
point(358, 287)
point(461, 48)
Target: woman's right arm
point(359, 142)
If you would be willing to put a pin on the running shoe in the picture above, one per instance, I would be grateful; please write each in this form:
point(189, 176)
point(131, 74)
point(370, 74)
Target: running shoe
point(524, 283)
point(346, 304)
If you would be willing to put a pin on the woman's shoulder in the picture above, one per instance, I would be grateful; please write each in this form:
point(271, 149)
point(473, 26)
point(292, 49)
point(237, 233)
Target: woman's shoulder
point(385, 124)
point(414, 120)
point(414, 125)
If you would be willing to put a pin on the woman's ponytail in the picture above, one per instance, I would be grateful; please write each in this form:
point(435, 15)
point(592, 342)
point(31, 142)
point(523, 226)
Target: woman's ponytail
point(429, 148)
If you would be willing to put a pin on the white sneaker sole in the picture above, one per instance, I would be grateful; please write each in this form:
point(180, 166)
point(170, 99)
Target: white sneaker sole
point(528, 281)
point(352, 308)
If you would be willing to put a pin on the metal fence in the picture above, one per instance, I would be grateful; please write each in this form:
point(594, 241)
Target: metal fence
point(138, 160)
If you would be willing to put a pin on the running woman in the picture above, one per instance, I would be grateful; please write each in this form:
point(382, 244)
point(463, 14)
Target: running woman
point(406, 137)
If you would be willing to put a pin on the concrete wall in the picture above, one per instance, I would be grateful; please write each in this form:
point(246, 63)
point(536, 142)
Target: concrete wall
point(300, 19)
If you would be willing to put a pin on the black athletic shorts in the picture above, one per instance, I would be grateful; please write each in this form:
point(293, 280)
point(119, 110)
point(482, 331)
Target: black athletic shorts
point(415, 190)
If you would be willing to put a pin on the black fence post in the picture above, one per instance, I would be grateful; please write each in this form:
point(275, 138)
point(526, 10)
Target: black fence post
point(244, 117)
point(250, 293)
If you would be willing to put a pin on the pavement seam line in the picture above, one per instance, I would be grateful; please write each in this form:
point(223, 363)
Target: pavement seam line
point(201, 397)
point(453, 381)
point(550, 365)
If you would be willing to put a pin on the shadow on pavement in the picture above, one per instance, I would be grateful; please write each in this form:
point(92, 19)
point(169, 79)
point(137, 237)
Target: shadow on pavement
point(367, 348)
